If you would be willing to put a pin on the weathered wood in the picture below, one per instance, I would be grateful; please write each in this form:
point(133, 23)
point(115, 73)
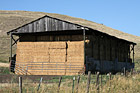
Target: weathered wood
point(110, 50)
point(11, 41)
point(131, 71)
point(99, 48)
point(110, 76)
point(39, 83)
point(78, 80)
point(97, 81)
point(124, 71)
point(105, 45)
point(73, 85)
point(88, 81)
point(101, 81)
point(47, 24)
point(60, 79)
point(110, 79)
point(20, 84)
point(84, 38)
point(133, 53)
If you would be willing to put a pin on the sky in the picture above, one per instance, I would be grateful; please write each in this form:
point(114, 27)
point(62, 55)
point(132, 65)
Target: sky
point(123, 15)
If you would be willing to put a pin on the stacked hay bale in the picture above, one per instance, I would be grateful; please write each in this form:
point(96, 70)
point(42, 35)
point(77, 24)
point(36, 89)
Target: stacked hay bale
point(50, 58)
point(75, 57)
point(57, 58)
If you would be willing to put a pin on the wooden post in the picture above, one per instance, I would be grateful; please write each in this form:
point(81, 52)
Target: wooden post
point(78, 80)
point(110, 49)
point(39, 83)
point(110, 76)
point(131, 71)
point(101, 81)
point(133, 53)
point(84, 38)
point(88, 81)
point(73, 85)
point(99, 52)
point(124, 72)
point(20, 84)
point(11, 46)
point(110, 79)
point(97, 81)
point(60, 79)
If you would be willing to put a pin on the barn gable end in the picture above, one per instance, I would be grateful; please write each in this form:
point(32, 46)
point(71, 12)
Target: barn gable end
point(45, 24)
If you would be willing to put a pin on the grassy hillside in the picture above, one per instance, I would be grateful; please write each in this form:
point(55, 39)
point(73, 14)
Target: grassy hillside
point(13, 19)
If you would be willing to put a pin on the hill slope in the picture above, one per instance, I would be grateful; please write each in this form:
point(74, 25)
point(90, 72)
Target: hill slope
point(12, 19)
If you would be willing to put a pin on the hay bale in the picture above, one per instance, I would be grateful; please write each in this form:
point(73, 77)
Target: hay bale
point(57, 57)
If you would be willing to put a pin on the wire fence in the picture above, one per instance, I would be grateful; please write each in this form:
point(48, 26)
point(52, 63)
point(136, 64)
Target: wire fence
point(62, 84)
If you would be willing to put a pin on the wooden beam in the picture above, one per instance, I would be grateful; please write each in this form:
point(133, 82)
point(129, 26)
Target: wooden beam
point(110, 50)
point(99, 52)
point(11, 46)
point(15, 41)
point(133, 53)
point(105, 48)
point(129, 52)
point(84, 38)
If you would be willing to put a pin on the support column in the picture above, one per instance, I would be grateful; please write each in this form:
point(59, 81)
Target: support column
point(99, 52)
point(105, 48)
point(129, 54)
point(133, 53)
point(111, 50)
point(84, 38)
point(11, 46)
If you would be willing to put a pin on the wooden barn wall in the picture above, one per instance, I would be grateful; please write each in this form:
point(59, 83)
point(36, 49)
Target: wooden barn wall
point(107, 48)
point(47, 24)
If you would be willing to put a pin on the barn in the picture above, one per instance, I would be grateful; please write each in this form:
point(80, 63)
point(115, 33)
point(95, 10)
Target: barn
point(53, 46)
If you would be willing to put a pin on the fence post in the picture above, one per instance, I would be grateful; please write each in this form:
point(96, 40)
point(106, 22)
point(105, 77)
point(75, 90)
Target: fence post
point(101, 81)
point(110, 79)
point(97, 81)
point(110, 76)
point(73, 85)
point(78, 80)
point(131, 71)
point(20, 84)
point(60, 79)
point(88, 81)
point(39, 83)
point(124, 71)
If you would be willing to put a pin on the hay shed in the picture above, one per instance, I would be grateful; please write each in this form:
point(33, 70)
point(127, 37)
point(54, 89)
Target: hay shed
point(52, 46)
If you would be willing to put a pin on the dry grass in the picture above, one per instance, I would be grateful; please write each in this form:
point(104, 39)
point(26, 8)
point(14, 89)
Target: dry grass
point(119, 84)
